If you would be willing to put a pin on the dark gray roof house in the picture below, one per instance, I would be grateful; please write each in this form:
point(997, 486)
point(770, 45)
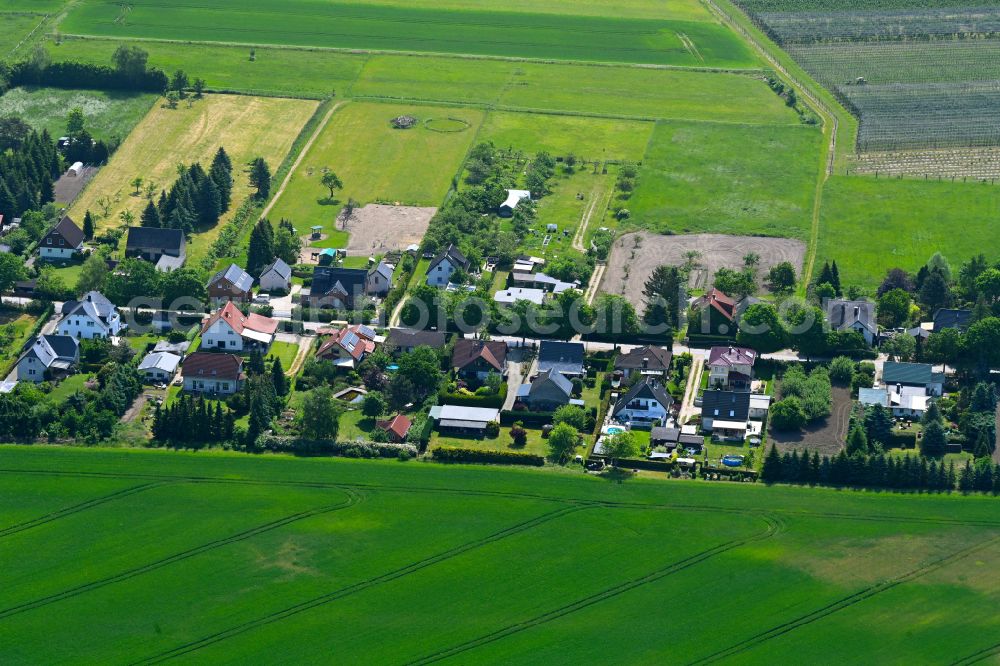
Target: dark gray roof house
point(648, 359)
point(910, 374)
point(163, 247)
point(844, 315)
point(725, 405)
point(453, 255)
point(332, 286)
point(951, 318)
point(408, 339)
point(649, 389)
point(564, 357)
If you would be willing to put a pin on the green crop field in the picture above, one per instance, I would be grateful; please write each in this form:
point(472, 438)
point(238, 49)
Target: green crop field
point(108, 114)
point(587, 138)
point(143, 556)
point(14, 27)
point(721, 178)
point(377, 162)
point(687, 10)
point(871, 225)
point(421, 29)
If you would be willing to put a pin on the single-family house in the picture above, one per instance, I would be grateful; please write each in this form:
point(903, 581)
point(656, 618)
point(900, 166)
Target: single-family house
point(514, 197)
point(564, 357)
point(165, 248)
point(48, 357)
point(858, 316)
point(547, 392)
point(873, 396)
point(405, 340)
point(476, 359)
point(920, 375)
point(346, 347)
point(646, 402)
point(671, 438)
point(442, 267)
point(951, 318)
point(649, 361)
point(731, 368)
point(276, 276)
point(379, 280)
point(901, 401)
point(713, 314)
point(725, 413)
point(541, 281)
point(398, 427)
point(213, 373)
point(459, 419)
point(93, 316)
point(337, 288)
point(63, 241)
point(230, 330)
point(511, 295)
point(159, 367)
point(230, 284)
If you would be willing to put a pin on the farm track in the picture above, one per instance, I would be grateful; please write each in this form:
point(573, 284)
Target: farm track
point(352, 499)
point(514, 495)
point(774, 527)
point(361, 586)
point(846, 602)
point(77, 508)
point(979, 656)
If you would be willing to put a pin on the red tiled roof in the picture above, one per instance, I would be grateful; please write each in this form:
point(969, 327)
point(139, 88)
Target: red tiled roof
point(718, 300)
point(213, 365)
point(466, 352)
point(399, 425)
point(238, 322)
point(365, 345)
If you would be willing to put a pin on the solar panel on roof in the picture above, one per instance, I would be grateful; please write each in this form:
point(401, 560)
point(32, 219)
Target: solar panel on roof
point(366, 331)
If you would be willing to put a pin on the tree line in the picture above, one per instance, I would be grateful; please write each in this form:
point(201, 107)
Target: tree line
point(197, 198)
point(27, 172)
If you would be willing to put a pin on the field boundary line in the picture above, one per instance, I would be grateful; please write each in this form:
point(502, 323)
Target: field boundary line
point(512, 495)
point(420, 54)
point(847, 602)
point(352, 499)
point(26, 38)
point(302, 154)
point(363, 585)
point(83, 506)
point(773, 527)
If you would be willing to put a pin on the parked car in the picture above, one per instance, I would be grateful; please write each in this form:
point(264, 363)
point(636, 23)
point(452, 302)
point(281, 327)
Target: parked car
point(262, 299)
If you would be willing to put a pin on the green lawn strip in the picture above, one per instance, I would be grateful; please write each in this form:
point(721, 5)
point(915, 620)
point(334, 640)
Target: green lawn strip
point(68, 387)
point(692, 179)
point(286, 351)
point(586, 138)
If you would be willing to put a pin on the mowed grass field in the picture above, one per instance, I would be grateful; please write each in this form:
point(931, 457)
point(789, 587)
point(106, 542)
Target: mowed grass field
point(376, 162)
point(723, 178)
point(14, 27)
point(409, 27)
point(587, 138)
point(246, 127)
point(107, 114)
point(870, 225)
point(140, 556)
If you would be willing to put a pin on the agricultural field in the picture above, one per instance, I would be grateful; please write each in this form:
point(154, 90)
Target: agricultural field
point(246, 127)
point(14, 27)
point(918, 75)
point(107, 114)
point(535, 561)
point(683, 10)
point(722, 178)
point(591, 139)
point(405, 27)
point(378, 163)
point(871, 225)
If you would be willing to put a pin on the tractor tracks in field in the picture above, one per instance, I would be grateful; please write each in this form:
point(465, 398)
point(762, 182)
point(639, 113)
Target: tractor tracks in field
point(82, 506)
point(774, 526)
point(847, 602)
point(353, 498)
point(363, 585)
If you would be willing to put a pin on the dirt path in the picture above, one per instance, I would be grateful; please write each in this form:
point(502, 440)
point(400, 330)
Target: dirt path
point(132, 413)
point(691, 390)
point(599, 195)
point(595, 282)
point(305, 344)
point(302, 155)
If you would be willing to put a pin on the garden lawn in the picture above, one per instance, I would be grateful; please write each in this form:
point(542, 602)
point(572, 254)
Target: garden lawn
point(68, 387)
point(285, 547)
point(536, 444)
point(735, 179)
point(376, 162)
point(21, 326)
point(407, 27)
point(871, 225)
point(247, 127)
point(286, 351)
point(107, 114)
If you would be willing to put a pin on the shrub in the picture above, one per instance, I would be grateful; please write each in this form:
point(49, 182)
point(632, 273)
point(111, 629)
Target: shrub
point(447, 454)
point(787, 414)
point(841, 370)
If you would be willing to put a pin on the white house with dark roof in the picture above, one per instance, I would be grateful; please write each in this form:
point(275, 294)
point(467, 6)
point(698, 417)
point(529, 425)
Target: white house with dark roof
point(93, 316)
point(646, 402)
point(165, 248)
point(48, 357)
point(230, 284)
point(859, 316)
point(276, 276)
point(63, 241)
point(442, 267)
point(379, 280)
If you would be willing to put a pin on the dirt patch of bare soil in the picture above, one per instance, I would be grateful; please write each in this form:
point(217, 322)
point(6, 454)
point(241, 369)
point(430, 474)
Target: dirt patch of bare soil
point(634, 256)
point(67, 188)
point(378, 228)
point(827, 437)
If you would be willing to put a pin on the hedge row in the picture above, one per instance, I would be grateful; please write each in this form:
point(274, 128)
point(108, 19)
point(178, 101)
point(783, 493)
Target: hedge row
point(495, 400)
point(508, 417)
point(331, 448)
point(446, 454)
point(86, 75)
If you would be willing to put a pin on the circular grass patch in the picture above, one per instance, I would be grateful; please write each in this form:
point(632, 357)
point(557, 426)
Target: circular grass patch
point(448, 124)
